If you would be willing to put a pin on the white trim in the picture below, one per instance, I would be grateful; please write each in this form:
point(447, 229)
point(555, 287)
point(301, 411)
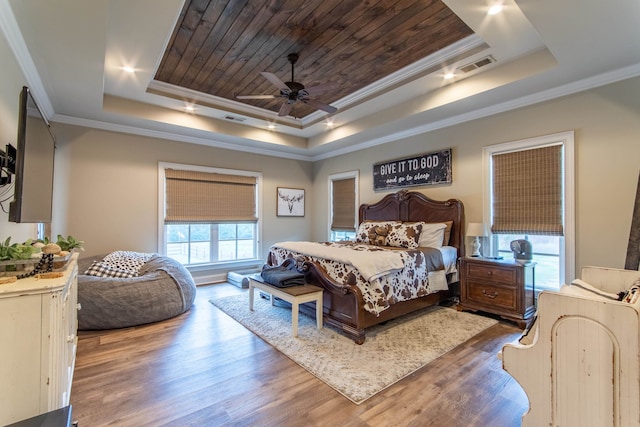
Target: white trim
point(524, 101)
point(15, 40)
point(204, 275)
point(161, 202)
point(11, 30)
point(335, 177)
point(459, 51)
point(170, 136)
point(567, 250)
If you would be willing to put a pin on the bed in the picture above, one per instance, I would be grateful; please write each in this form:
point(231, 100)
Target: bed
point(350, 307)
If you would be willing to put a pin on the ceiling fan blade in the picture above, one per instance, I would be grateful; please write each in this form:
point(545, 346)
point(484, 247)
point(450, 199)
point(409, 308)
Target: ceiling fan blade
point(257, 96)
point(326, 87)
point(320, 105)
point(285, 109)
point(274, 80)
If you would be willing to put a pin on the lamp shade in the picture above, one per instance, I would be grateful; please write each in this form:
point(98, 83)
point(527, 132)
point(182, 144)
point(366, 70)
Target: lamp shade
point(476, 229)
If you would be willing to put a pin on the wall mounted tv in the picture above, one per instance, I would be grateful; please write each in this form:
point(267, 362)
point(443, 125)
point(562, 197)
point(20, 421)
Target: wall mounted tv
point(33, 195)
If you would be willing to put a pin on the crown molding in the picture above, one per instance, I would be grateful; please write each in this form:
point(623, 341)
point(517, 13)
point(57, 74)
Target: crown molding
point(136, 130)
point(542, 96)
point(458, 51)
point(564, 90)
point(11, 30)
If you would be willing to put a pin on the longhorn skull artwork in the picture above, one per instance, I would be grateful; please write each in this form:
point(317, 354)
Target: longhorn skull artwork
point(291, 197)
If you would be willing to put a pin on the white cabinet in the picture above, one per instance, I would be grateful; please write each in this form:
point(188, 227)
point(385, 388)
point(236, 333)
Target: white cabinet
point(580, 363)
point(38, 325)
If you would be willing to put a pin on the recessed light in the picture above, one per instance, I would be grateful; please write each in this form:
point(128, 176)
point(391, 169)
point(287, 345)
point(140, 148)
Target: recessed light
point(329, 123)
point(190, 108)
point(271, 126)
point(495, 9)
point(449, 76)
point(128, 69)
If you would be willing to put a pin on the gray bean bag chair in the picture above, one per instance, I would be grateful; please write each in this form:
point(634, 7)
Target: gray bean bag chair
point(163, 289)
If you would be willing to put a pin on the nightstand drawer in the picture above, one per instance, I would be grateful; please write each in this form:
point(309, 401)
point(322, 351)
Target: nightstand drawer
point(495, 296)
point(491, 272)
point(502, 287)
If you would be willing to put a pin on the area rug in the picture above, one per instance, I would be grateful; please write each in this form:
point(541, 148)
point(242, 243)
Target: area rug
point(389, 353)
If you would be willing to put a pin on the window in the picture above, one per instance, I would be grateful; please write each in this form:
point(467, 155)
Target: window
point(529, 195)
point(343, 206)
point(208, 216)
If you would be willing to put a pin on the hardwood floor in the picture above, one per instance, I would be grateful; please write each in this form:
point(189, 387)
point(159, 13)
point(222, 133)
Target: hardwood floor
point(204, 369)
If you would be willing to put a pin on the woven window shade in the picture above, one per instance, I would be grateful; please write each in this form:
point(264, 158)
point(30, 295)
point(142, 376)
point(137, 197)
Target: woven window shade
point(202, 197)
point(344, 205)
point(527, 192)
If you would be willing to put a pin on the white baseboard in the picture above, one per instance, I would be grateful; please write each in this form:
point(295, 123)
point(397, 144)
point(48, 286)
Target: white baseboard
point(207, 279)
point(233, 277)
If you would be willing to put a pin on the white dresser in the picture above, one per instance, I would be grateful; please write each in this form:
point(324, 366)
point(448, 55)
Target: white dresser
point(38, 325)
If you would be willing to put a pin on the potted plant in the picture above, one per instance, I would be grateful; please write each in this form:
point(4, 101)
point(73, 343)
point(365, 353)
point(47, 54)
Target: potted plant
point(69, 243)
point(9, 251)
point(16, 252)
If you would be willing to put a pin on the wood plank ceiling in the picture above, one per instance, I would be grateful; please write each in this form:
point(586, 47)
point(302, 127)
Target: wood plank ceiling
point(220, 47)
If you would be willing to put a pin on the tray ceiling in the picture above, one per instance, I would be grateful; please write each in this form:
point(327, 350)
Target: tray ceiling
point(220, 47)
point(137, 66)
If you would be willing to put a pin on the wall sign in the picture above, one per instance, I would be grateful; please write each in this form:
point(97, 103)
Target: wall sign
point(425, 169)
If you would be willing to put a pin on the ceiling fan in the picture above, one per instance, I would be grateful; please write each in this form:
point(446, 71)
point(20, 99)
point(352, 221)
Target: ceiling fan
point(293, 91)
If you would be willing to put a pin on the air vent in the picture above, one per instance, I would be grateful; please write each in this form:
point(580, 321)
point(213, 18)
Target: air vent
point(479, 63)
point(235, 118)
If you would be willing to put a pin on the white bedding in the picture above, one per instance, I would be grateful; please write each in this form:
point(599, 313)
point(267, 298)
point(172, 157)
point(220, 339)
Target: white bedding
point(372, 265)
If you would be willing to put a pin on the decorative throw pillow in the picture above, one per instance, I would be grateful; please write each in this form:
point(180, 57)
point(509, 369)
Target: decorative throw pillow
point(378, 235)
point(432, 235)
point(365, 227)
point(127, 260)
point(101, 269)
point(405, 235)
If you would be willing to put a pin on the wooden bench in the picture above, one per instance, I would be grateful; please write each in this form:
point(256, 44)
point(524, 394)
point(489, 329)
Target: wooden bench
point(295, 295)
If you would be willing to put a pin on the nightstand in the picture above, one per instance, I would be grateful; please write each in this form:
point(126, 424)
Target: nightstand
point(502, 287)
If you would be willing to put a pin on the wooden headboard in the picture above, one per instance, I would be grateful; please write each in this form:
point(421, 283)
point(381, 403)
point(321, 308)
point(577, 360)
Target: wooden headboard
point(413, 206)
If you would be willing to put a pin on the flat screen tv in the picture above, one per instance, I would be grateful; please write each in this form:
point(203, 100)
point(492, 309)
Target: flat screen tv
point(35, 152)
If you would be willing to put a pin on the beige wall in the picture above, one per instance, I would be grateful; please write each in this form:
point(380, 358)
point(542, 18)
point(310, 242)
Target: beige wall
point(606, 122)
point(107, 187)
point(11, 82)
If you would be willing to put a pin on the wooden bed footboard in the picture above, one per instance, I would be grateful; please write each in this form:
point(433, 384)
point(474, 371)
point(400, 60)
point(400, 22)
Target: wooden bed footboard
point(343, 305)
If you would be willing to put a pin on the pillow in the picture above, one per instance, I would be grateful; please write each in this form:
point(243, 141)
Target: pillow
point(447, 233)
point(378, 235)
point(405, 235)
point(101, 269)
point(365, 227)
point(127, 260)
point(432, 235)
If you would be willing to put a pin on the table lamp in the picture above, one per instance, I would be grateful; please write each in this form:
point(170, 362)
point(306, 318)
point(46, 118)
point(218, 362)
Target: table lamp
point(476, 230)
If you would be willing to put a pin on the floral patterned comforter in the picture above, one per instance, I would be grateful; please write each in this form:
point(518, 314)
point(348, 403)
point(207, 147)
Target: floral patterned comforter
point(411, 281)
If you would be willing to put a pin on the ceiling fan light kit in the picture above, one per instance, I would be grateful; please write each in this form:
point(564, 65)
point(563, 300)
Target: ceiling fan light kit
point(293, 91)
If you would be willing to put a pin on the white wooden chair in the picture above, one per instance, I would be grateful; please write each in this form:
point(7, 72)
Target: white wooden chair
point(582, 365)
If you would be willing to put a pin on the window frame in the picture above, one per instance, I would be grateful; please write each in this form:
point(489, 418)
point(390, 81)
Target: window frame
point(337, 177)
point(162, 241)
point(567, 243)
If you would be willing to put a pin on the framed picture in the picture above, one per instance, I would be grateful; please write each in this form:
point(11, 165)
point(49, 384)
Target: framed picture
point(290, 202)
